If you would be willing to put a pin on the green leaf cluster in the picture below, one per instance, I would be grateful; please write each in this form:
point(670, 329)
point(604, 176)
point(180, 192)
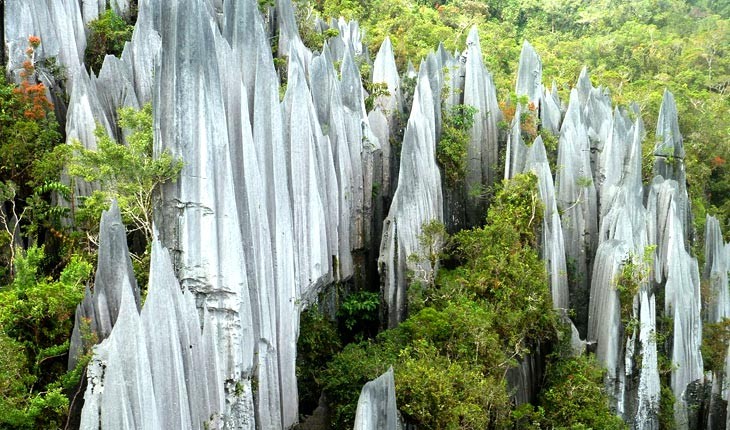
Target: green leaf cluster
point(715, 341)
point(575, 398)
point(107, 36)
point(36, 317)
point(318, 342)
point(451, 150)
point(359, 308)
point(126, 172)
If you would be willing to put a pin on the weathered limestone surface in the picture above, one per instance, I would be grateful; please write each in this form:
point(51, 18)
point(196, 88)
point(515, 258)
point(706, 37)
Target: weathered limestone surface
point(576, 199)
point(649, 390)
point(717, 300)
point(199, 218)
point(152, 372)
point(119, 394)
point(551, 111)
point(376, 407)
point(716, 271)
point(98, 312)
point(669, 158)
point(390, 108)
point(604, 318)
point(480, 93)
point(60, 26)
point(529, 75)
point(679, 273)
point(417, 200)
point(552, 245)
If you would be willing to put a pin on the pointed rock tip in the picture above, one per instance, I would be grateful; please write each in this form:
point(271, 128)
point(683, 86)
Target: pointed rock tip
point(473, 37)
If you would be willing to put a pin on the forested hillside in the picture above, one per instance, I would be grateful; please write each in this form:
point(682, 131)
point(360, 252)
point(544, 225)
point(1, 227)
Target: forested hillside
point(270, 225)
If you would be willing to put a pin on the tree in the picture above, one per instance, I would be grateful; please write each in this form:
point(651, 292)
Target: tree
point(125, 172)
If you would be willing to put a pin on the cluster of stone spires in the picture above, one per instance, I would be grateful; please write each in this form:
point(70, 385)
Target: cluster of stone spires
point(275, 200)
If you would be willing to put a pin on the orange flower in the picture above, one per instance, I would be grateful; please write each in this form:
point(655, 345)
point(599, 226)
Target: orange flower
point(717, 161)
point(29, 52)
point(34, 41)
point(28, 65)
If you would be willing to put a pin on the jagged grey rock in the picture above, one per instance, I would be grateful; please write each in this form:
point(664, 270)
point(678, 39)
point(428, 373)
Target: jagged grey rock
point(678, 272)
point(119, 394)
point(529, 84)
point(529, 75)
point(516, 148)
point(613, 160)
point(604, 318)
point(99, 310)
point(550, 111)
point(669, 158)
point(390, 106)
point(649, 388)
point(376, 407)
point(143, 52)
point(178, 357)
point(576, 199)
point(416, 201)
point(552, 245)
point(302, 135)
point(114, 267)
point(60, 26)
point(480, 93)
point(716, 271)
point(717, 308)
point(198, 216)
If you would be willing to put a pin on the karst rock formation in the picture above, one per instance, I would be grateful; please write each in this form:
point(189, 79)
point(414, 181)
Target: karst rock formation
point(285, 191)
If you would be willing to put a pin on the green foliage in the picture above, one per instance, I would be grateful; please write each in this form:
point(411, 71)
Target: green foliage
point(36, 317)
point(358, 309)
point(450, 357)
point(375, 91)
point(447, 393)
point(666, 408)
point(107, 36)
point(433, 241)
point(448, 369)
point(318, 341)
point(128, 173)
point(28, 133)
point(634, 273)
point(715, 341)
point(574, 397)
point(24, 139)
point(451, 150)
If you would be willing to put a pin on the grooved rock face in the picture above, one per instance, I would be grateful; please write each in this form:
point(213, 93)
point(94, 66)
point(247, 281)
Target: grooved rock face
point(553, 247)
point(576, 199)
point(376, 407)
point(480, 93)
point(417, 201)
point(98, 312)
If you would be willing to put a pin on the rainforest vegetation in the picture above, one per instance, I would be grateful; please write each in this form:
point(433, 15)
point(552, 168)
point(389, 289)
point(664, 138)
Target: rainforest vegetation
point(489, 304)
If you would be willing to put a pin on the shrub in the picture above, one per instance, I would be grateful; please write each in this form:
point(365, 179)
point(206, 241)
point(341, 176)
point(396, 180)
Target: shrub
point(36, 317)
point(318, 341)
point(358, 313)
point(107, 35)
point(575, 396)
point(452, 148)
point(715, 339)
